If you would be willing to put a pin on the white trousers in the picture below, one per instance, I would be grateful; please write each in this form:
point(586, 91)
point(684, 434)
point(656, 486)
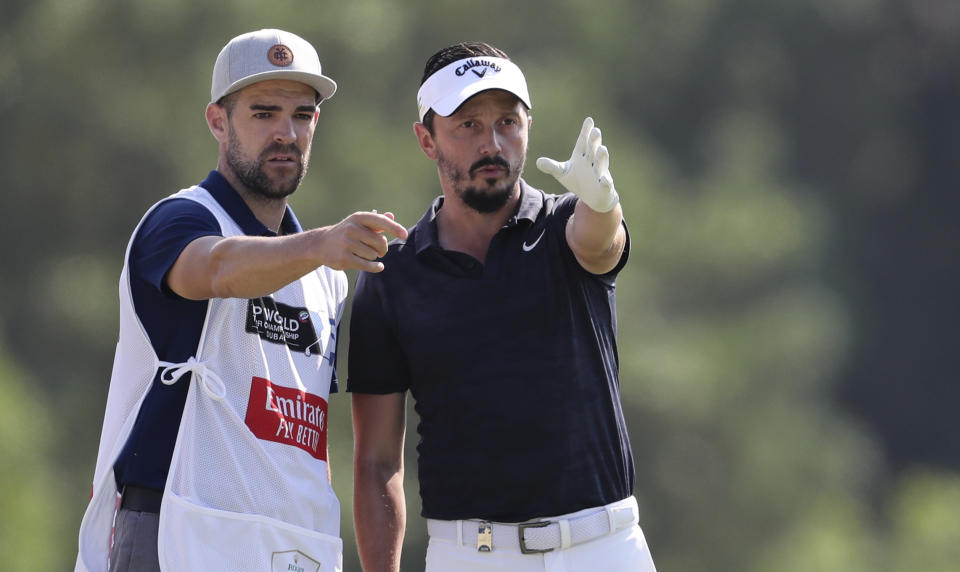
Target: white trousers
point(623, 551)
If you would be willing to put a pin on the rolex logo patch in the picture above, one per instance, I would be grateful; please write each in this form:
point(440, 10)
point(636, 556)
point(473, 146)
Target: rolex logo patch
point(293, 561)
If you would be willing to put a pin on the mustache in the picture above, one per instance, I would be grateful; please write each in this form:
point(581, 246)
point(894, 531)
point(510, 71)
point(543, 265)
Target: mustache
point(281, 149)
point(497, 161)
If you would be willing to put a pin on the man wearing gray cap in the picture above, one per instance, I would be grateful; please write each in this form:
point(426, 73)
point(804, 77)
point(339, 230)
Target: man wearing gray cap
point(213, 454)
point(497, 313)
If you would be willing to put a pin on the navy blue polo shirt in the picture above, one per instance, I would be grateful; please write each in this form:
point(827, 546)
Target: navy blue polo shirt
point(512, 365)
point(173, 324)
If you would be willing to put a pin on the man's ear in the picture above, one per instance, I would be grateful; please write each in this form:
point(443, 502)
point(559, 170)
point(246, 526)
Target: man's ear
point(426, 141)
point(216, 116)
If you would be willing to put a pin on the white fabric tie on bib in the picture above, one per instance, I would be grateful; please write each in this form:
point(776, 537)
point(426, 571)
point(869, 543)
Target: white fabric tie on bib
point(210, 382)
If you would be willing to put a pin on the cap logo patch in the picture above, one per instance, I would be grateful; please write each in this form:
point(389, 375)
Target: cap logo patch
point(280, 56)
point(470, 64)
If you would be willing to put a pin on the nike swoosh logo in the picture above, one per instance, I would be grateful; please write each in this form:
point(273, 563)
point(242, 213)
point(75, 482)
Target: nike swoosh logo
point(529, 247)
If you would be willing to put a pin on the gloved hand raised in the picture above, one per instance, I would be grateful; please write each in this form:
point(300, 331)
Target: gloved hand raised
point(587, 173)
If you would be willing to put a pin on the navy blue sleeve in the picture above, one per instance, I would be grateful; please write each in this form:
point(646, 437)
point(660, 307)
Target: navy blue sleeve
point(164, 234)
point(376, 361)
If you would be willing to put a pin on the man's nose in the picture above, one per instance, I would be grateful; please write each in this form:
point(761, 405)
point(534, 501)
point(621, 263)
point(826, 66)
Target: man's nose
point(490, 142)
point(285, 132)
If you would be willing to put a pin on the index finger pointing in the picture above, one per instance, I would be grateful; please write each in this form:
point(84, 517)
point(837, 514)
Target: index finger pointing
point(384, 223)
point(581, 146)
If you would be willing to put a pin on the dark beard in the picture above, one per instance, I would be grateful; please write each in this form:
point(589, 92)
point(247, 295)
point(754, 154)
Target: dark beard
point(483, 199)
point(255, 179)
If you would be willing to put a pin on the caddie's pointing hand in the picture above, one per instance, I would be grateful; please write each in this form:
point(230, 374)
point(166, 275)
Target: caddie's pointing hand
point(587, 173)
point(358, 241)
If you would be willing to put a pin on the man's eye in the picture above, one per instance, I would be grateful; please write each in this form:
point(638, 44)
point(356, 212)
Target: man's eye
point(262, 115)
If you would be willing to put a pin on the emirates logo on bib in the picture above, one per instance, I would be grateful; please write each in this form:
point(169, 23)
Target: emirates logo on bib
point(288, 415)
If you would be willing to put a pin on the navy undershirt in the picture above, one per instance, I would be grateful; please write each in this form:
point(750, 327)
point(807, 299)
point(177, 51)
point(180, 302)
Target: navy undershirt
point(173, 324)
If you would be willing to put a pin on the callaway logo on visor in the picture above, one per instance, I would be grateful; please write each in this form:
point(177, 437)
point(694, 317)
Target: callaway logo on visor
point(449, 87)
point(477, 63)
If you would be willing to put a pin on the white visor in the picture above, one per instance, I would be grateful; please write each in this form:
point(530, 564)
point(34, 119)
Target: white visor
point(450, 86)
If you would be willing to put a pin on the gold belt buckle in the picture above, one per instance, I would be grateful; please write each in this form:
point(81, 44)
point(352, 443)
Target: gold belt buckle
point(484, 537)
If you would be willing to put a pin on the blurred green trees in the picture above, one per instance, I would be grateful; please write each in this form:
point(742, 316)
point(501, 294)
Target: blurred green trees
point(750, 141)
point(32, 490)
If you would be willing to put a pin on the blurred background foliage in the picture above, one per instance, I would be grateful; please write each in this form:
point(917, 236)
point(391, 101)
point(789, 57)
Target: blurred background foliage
point(787, 320)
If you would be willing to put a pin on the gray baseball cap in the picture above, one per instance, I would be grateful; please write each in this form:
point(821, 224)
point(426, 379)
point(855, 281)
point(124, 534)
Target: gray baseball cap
point(268, 54)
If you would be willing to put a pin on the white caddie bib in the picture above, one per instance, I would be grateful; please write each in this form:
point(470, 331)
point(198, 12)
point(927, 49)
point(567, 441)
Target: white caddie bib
point(247, 487)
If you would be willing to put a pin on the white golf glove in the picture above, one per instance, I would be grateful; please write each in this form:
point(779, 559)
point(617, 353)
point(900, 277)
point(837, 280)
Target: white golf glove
point(587, 173)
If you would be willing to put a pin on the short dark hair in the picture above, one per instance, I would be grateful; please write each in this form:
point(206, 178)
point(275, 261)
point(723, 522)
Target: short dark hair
point(450, 54)
point(228, 102)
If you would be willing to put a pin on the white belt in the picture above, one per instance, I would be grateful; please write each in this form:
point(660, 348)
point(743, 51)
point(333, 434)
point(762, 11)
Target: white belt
point(537, 536)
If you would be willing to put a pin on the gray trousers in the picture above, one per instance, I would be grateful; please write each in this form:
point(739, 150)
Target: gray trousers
point(135, 542)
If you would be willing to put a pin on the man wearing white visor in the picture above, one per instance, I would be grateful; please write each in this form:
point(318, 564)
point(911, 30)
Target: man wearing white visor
point(497, 313)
